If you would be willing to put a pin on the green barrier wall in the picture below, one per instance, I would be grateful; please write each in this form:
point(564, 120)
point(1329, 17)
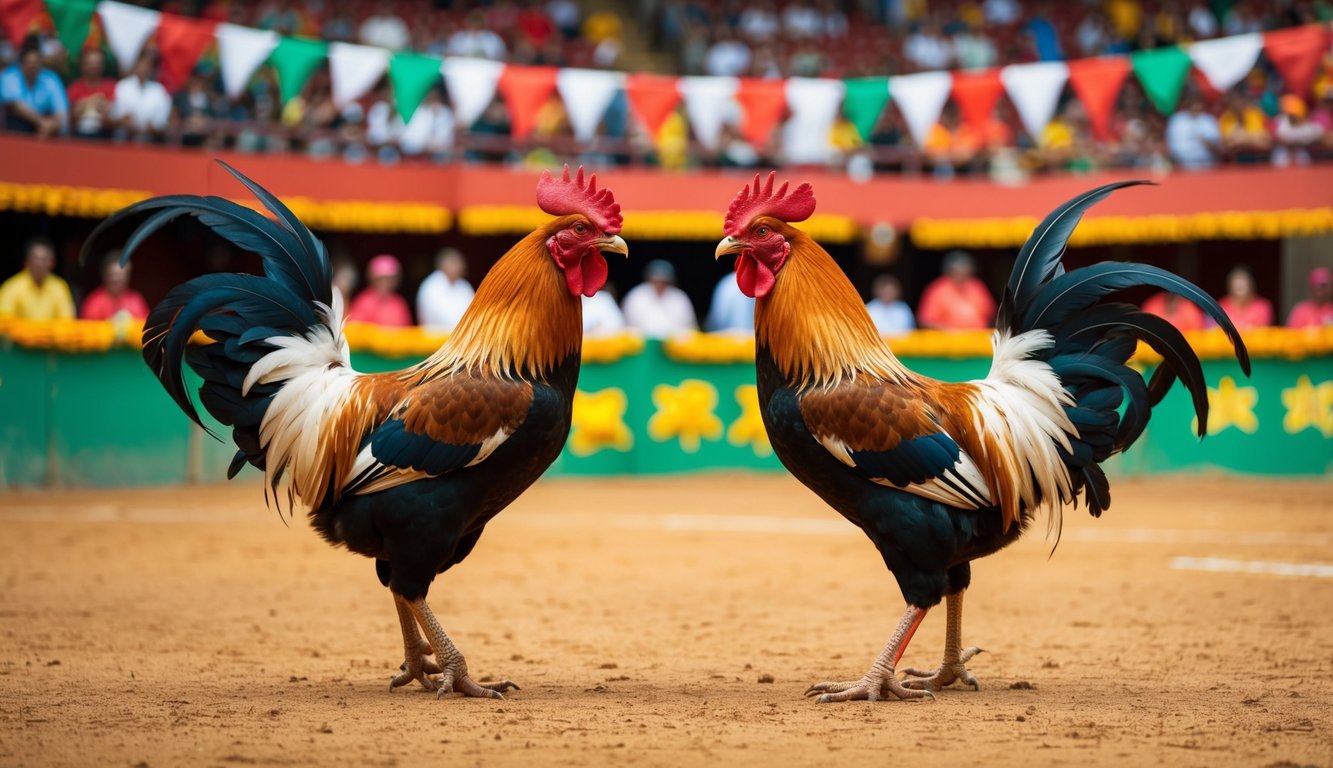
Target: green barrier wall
point(103, 420)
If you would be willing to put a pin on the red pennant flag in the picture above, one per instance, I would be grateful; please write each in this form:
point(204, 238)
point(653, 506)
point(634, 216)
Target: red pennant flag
point(17, 16)
point(1296, 53)
point(652, 97)
point(526, 90)
point(763, 102)
point(976, 94)
point(180, 43)
point(1097, 84)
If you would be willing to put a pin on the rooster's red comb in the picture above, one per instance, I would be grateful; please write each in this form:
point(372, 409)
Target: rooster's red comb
point(566, 196)
point(756, 200)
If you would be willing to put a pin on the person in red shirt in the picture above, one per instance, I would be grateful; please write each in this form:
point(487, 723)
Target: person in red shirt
point(1177, 311)
point(957, 299)
point(1245, 307)
point(114, 299)
point(90, 97)
point(1316, 311)
point(380, 303)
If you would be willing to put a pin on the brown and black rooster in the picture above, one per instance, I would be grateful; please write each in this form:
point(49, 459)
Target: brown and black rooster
point(938, 474)
point(405, 467)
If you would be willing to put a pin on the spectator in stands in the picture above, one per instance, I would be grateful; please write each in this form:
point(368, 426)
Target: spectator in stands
point(759, 21)
point(196, 110)
point(1002, 12)
point(1294, 132)
point(380, 303)
point(730, 310)
point(345, 278)
point(476, 41)
point(1244, 128)
point(727, 56)
point(801, 20)
point(91, 97)
point(927, 48)
point(1182, 313)
point(142, 107)
point(1316, 311)
point(891, 315)
point(973, 49)
point(35, 293)
point(385, 29)
point(1201, 22)
point(957, 299)
point(339, 24)
point(535, 24)
point(445, 293)
point(948, 147)
point(565, 15)
point(1045, 38)
point(601, 314)
point(32, 95)
point(283, 18)
point(114, 299)
point(1245, 307)
point(430, 132)
point(656, 308)
point(1192, 135)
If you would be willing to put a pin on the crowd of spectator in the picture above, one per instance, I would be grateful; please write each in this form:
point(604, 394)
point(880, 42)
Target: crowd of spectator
point(1255, 122)
point(656, 308)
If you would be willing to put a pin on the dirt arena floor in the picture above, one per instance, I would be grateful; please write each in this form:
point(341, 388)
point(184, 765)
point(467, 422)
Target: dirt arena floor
point(1190, 627)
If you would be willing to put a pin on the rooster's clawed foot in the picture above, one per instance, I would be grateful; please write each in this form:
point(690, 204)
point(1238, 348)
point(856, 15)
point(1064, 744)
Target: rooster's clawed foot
point(867, 688)
point(418, 667)
point(943, 676)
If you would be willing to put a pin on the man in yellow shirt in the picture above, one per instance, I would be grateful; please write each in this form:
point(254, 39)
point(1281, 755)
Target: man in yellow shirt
point(34, 293)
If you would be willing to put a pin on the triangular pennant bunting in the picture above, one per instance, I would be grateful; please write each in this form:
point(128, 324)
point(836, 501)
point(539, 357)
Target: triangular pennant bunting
point(1162, 73)
point(814, 104)
point(73, 19)
point(921, 98)
point(241, 51)
point(864, 103)
point(127, 28)
point(652, 98)
point(587, 93)
point(976, 94)
point(525, 91)
point(180, 43)
point(762, 103)
point(1226, 60)
point(296, 59)
point(1097, 83)
point(1296, 53)
point(1034, 90)
point(412, 75)
point(354, 70)
point(471, 84)
point(17, 17)
point(709, 101)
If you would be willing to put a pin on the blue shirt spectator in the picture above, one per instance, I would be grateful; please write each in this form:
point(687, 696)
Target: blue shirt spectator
point(1045, 39)
point(730, 310)
point(891, 315)
point(33, 96)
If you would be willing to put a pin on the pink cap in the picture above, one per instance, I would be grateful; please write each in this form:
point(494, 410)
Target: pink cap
point(1321, 276)
point(384, 265)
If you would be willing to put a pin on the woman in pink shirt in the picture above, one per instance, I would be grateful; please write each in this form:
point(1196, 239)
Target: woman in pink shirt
point(956, 299)
point(380, 303)
point(1245, 307)
point(114, 299)
point(1317, 310)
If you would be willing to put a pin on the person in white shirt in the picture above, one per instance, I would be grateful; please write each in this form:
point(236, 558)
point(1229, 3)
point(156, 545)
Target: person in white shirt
point(476, 41)
point(385, 29)
point(1192, 135)
point(656, 307)
point(731, 310)
point(601, 314)
point(445, 294)
point(928, 48)
point(891, 315)
point(727, 57)
point(142, 106)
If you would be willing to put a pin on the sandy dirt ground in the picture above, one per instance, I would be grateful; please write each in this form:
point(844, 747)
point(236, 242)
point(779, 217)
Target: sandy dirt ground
point(188, 626)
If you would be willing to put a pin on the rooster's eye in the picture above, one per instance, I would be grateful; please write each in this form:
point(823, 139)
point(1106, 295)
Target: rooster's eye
point(762, 232)
point(580, 229)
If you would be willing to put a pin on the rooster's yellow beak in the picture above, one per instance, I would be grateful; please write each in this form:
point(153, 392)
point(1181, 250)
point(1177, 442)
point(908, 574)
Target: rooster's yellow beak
point(728, 245)
point(614, 244)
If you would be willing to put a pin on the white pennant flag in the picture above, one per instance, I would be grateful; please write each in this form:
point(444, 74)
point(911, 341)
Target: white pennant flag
point(354, 69)
point(241, 50)
point(127, 28)
point(920, 99)
point(587, 93)
point(808, 135)
point(1035, 92)
point(471, 84)
point(709, 103)
point(1227, 60)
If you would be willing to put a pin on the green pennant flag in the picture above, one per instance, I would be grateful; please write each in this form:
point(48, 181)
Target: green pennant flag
point(865, 100)
point(73, 19)
point(296, 59)
point(412, 75)
point(1162, 72)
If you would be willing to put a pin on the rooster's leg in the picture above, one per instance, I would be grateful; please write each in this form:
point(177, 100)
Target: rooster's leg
point(415, 650)
point(953, 668)
point(451, 659)
point(880, 681)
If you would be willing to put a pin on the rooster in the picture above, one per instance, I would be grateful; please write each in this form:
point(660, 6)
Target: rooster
point(405, 467)
point(938, 474)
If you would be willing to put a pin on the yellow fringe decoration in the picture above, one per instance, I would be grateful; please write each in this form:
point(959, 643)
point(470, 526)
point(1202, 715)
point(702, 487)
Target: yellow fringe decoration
point(651, 225)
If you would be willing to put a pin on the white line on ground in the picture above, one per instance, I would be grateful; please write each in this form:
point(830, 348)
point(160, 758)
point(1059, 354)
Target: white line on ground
point(1222, 565)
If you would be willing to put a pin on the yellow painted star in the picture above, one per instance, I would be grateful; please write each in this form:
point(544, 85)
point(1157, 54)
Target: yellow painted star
point(1308, 407)
point(1231, 406)
point(686, 412)
point(748, 428)
point(599, 422)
